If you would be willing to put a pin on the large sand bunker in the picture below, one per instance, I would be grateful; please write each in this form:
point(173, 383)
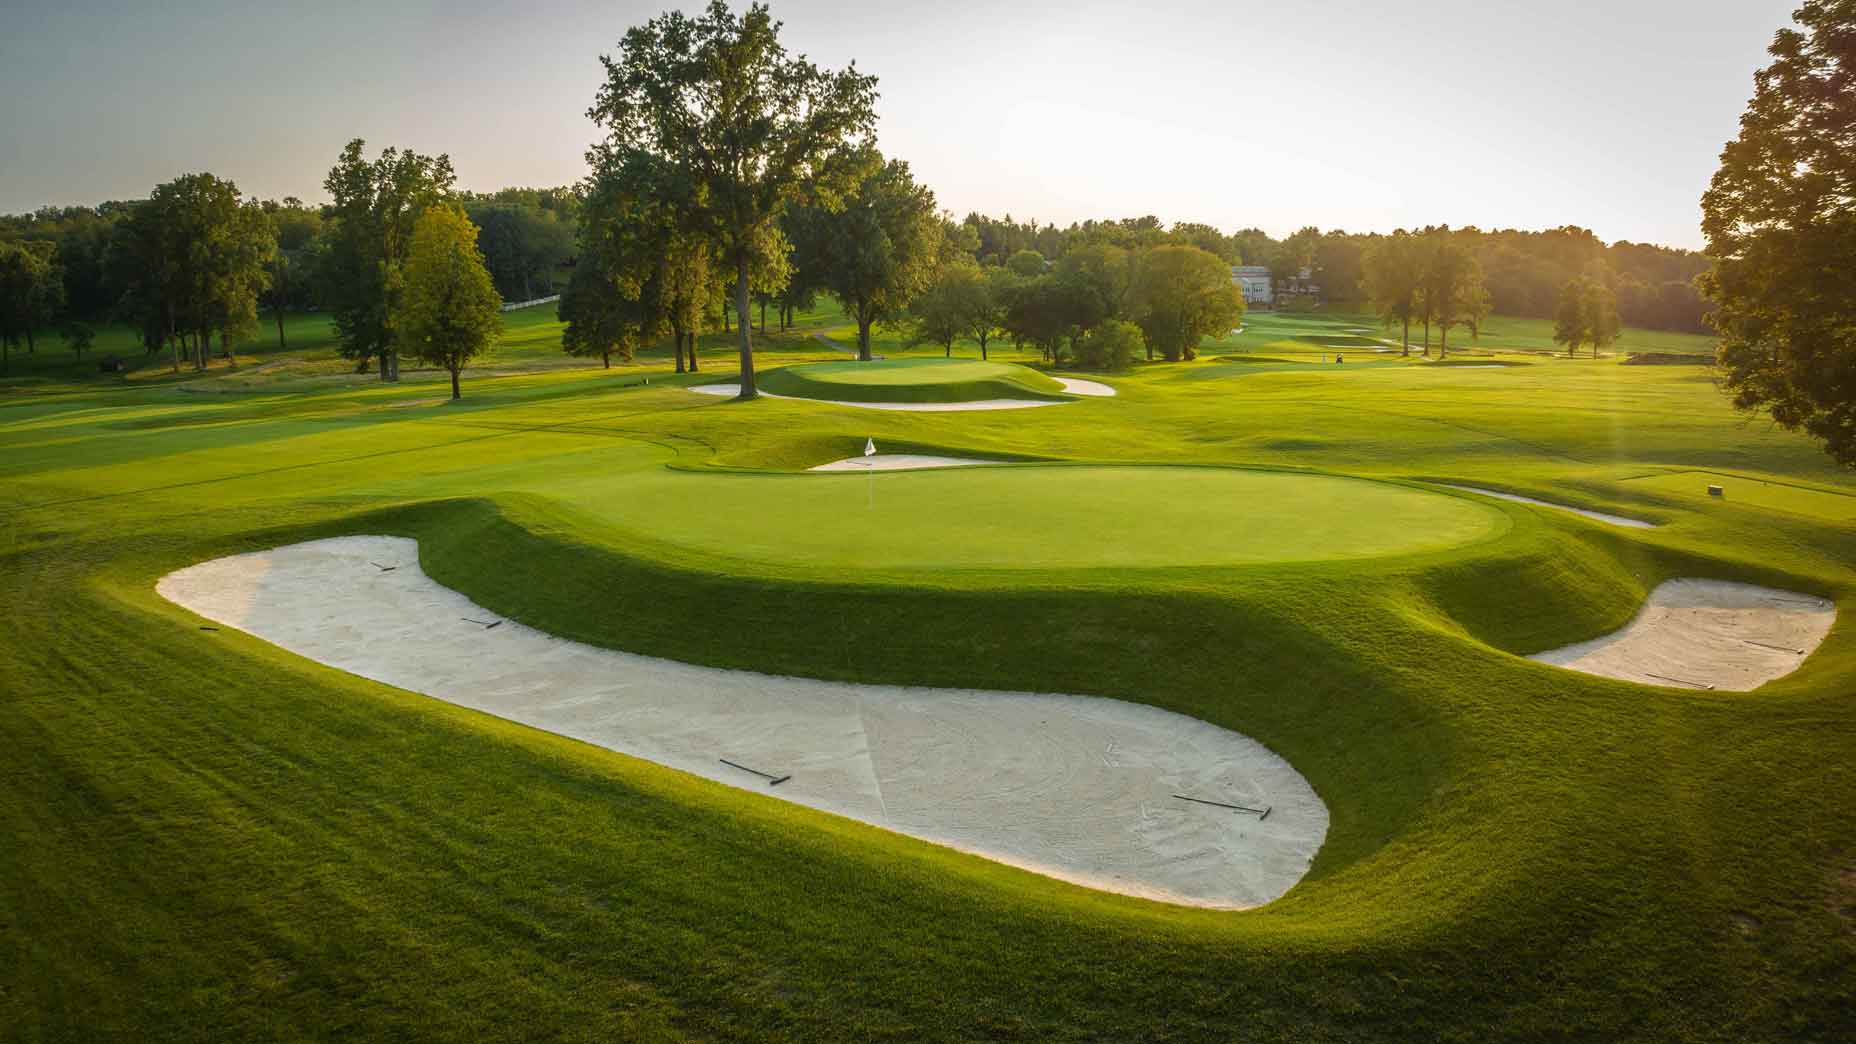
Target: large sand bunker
point(1084, 789)
point(1706, 634)
point(898, 462)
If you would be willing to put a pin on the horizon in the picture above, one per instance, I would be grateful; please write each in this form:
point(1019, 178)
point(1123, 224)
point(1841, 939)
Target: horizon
point(1083, 146)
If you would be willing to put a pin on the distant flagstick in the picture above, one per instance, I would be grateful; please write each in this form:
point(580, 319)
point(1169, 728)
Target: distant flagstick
point(870, 480)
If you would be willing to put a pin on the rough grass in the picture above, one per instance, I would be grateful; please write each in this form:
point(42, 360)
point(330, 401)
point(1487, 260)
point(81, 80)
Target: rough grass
point(211, 838)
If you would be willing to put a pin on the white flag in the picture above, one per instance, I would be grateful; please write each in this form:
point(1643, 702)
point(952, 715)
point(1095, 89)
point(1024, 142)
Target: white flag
point(869, 447)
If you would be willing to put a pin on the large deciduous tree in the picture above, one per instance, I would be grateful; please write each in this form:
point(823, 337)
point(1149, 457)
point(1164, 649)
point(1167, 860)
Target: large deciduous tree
point(447, 311)
point(1780, 218)
point(192, 261)
point(1453, 294)
point(1587, 314)
point(1394, 271)
point(882, 248)
point(1181, 295)
point(742, 128)
point(957, 301)
point(376, 204)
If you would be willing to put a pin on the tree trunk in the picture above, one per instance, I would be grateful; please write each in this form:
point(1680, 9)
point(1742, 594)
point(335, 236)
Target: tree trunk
point(763, 318)
point(692, 343)
point(983, 347)
point(748, 391)
point(455, 394)
point(679, 336)
point(31, 348)
point(606, 359)
point(725, 327)
point(202, 346)
point(225, 345)
point(950, 350)
point(1407, 337)
point(863, 337)
point(1443, 343)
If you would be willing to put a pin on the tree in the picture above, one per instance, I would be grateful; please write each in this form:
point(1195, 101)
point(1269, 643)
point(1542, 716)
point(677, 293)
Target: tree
point(1780, 219)
point(448, 311)
point(956, 301)
point(1099, 278)
point(882, 248)
point(599, 316)
point(1027, 264)
point(1181, 295)
point(1587, 314)
point(1040, 315)
point(1394, 280)
point(191, 259)
point(987, 318)
point(295, 228)
point(1453, 291)
point(27, 276)
point(742, 128)
point(376, 205)
point(1110, 346)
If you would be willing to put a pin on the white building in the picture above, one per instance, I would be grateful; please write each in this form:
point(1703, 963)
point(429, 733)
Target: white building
point(1254, 281)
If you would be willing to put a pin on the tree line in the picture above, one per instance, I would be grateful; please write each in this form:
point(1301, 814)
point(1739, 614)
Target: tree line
point(197, 261)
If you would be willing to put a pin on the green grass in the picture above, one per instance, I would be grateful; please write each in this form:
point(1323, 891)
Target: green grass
point(1279, 332)
point(911, 380)
point(1017, 517)
point(211, 838)
point(1825, 504)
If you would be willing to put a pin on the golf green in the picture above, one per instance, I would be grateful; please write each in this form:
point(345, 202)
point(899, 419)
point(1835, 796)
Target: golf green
point(1031, 517)
point(911, 380)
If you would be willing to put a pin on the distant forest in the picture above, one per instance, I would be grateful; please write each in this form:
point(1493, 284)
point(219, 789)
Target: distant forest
point(528, 240)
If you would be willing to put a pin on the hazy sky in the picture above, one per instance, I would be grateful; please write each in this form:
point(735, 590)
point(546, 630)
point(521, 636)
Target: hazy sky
point(1355, 114)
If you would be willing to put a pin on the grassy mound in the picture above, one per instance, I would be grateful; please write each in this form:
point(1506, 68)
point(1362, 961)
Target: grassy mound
point(1023, 517)
point(911, 380)
point(210, 832)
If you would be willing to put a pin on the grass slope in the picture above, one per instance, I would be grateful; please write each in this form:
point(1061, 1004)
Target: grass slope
point(911, 380)
point(214, 838)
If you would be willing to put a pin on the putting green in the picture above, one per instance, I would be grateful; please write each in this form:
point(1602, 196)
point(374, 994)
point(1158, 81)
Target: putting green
point(911, 380)
point(1030, 517)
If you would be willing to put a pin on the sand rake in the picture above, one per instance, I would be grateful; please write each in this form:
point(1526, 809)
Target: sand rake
point(772, 780)
point(1261, 813)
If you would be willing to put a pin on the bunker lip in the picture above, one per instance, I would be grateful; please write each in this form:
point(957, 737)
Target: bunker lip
point(1706, 634)
point(1597, 516)
point(1098, 792)
point(898, 462)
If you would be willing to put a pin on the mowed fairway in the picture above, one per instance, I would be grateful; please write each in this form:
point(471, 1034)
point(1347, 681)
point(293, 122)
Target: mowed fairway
point(212, 837)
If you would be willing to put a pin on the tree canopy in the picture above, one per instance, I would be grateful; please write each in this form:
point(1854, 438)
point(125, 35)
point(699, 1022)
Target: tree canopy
point(1182, 295)
point(448, 311)
point(376, 204)
point(741, 128)
point(1780, 218)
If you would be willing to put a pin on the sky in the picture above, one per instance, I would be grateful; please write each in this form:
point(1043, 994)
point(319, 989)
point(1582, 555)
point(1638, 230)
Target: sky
point(1353, 114)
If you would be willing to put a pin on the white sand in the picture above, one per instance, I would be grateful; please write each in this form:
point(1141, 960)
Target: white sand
point(1071, 385)
point(1078, 386)
point(1598, 516)
point(1074, 787)
point(898, 462)
point(732, 390)
point(1703, 634)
